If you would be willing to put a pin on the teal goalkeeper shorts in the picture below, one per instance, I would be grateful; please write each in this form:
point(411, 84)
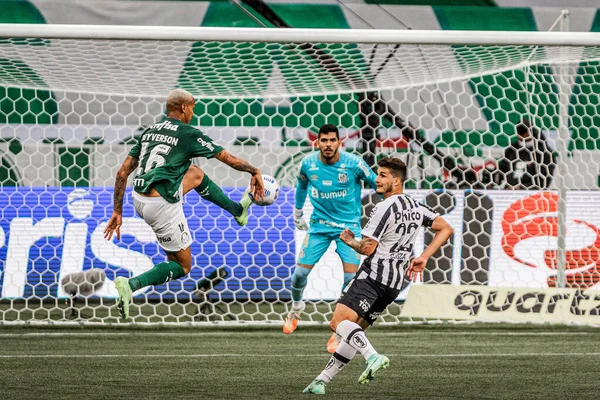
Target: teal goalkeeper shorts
point(316, 244)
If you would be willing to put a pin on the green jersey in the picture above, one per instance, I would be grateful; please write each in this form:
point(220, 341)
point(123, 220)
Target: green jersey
point(165, 151)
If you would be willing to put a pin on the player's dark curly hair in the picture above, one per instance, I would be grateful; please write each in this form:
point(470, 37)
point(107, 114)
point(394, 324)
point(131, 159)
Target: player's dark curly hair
point(328, 128)
point(395, 165)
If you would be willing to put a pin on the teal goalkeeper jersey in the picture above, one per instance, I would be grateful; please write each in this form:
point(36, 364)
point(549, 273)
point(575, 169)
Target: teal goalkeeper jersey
point(334, 191)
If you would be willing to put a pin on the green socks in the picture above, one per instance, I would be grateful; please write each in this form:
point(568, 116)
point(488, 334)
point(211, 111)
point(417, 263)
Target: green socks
point(210, 191)
point(161, 273)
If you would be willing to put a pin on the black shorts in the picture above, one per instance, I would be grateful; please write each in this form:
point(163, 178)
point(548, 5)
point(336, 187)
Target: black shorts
point(367, 297)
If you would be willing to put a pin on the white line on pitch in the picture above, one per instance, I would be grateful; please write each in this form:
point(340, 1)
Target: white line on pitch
point(304, 334)
point(321, 355)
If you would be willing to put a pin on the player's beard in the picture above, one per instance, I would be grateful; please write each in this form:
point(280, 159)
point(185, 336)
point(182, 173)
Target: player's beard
point(384, 189)
point(331, 157)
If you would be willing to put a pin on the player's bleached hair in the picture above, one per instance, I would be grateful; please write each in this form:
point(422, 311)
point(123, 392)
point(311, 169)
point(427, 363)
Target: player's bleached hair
point(177, 98)
point(395, 165)
point(328, 128)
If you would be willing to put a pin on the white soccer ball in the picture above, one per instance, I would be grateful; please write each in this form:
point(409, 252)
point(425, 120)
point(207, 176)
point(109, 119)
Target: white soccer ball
point(271, 191)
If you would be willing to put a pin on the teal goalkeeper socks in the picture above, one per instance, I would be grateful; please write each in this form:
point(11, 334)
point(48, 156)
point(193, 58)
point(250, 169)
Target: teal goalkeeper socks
point(299, 281)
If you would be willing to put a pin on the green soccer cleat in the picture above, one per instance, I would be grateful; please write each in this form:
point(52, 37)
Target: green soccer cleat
point(374, 364)
point(125, 292)
point(245, 202)
point(315, 387)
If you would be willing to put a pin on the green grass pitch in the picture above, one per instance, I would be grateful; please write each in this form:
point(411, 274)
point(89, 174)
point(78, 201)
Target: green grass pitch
point(204, 362)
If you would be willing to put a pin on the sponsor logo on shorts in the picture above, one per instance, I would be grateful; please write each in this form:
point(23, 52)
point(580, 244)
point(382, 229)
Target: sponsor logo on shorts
point(374, 316)
point(364, 304)
point(185, 237)
point(164, 239)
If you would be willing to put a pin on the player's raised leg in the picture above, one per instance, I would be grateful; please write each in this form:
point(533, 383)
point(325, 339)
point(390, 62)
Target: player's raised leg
point(196, 179)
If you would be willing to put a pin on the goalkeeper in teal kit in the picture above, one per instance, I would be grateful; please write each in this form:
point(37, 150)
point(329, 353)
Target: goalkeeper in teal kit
point(332, 180)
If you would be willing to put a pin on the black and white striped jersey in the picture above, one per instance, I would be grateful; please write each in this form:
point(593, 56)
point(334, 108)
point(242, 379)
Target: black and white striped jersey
point(394, 223)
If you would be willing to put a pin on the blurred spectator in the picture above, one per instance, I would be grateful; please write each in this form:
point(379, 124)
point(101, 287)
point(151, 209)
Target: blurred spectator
point(528, 163)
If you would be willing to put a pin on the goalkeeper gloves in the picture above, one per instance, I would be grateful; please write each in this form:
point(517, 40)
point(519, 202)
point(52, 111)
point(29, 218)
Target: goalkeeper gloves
point(299, 222)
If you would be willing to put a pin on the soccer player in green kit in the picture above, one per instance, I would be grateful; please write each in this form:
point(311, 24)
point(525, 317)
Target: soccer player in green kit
point(164, 175)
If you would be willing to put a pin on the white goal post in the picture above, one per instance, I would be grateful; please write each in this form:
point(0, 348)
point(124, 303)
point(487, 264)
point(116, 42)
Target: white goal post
point(74, 98)
point(299, 35)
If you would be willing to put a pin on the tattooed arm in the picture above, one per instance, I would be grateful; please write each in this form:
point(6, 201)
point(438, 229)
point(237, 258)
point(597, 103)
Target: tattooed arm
point(114, 224)
point(236, 163)
point(256, 182)
point(364, 246)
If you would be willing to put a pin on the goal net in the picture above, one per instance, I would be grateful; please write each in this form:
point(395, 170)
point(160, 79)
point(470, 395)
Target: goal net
point(524, 206)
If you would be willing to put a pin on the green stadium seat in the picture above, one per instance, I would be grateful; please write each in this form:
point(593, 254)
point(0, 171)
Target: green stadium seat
point(23, 106)
point(585, 104)
point(510, 86)
point(298, 111)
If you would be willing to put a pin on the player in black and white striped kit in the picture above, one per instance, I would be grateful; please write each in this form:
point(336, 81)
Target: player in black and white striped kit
point(387, 241)
point(394, 225)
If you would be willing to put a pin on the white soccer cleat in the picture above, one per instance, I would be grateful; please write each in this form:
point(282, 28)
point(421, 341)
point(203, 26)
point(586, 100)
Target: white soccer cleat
point(291, 322)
